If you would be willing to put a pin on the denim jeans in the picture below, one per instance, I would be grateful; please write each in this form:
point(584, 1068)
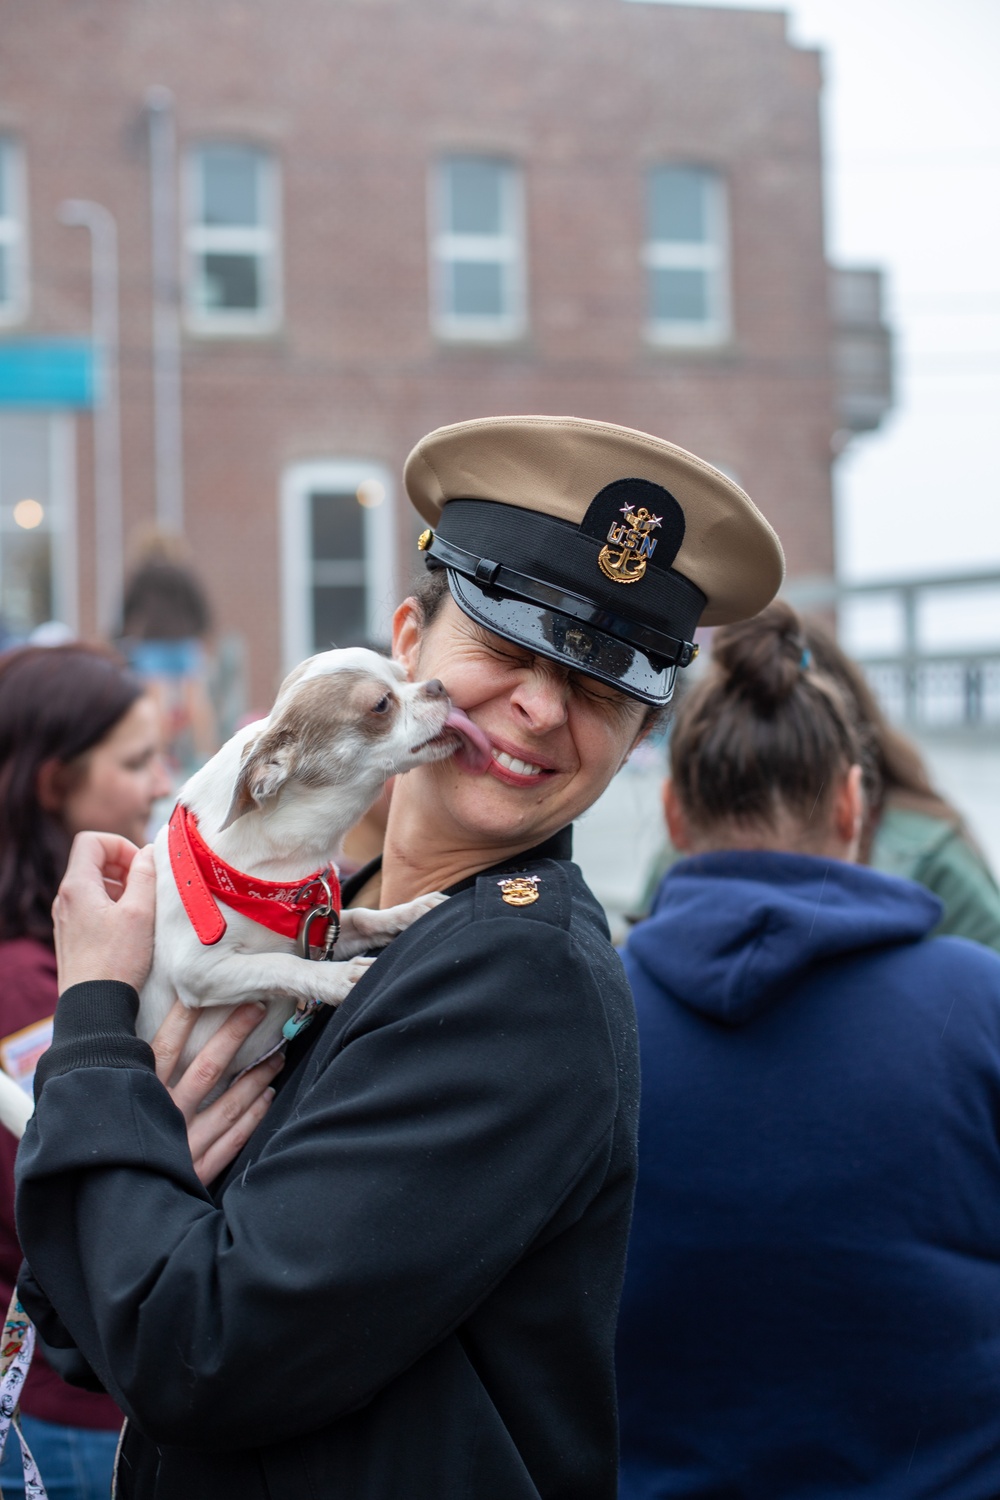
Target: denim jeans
point(75, 1462)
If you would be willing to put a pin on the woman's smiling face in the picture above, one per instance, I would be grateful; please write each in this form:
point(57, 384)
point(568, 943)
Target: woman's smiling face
point(557, 736)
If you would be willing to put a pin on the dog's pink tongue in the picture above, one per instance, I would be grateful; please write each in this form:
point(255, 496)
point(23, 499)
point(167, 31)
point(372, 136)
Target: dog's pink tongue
point(473, 754)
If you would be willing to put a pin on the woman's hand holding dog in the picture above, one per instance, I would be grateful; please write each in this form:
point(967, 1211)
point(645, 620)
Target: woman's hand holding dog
point(218, 1133)
point(104, 911)
point(104, 915)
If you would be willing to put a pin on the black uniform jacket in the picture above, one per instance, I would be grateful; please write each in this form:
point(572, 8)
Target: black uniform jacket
point(406, 1287)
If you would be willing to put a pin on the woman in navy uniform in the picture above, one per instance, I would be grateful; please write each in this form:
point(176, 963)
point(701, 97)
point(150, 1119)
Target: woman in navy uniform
point(406, 1285)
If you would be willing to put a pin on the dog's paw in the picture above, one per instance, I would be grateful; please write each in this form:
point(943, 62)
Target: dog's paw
point(333, 982)
point(381, 926)
point(422, 905)
point(353, 969)
point(396, 919)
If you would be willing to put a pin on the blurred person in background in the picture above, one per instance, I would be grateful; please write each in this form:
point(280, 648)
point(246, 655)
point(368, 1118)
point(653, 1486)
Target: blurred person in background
point(166, 621)
point(79, 749)
point(910, 829)
point(812, 1296)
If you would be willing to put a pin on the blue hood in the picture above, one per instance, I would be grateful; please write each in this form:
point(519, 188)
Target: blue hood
point(730, 932)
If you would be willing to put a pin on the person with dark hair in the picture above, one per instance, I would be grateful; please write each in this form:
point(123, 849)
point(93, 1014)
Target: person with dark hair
point(79, 749)
point(165, 602)
point(166, 620)
point(812, 1296)
point(910, 829)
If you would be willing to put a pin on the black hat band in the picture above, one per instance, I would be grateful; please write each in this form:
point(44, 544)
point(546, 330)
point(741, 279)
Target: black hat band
point(536, 551)
point(496, 578)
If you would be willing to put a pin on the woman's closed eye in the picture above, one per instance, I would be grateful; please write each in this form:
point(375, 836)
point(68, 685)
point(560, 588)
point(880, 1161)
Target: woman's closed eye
point(616, 704)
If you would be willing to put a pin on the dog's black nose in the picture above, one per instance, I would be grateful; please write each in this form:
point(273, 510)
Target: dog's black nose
point(434, 689)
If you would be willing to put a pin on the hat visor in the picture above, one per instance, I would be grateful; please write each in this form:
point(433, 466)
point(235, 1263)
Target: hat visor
point(573, 644)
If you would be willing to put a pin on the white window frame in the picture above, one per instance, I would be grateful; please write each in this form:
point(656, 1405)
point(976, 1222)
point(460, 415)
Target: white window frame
point(299, 573)
point(14, 230)
point(506, 249)
point(710, 256)
point(261, 240)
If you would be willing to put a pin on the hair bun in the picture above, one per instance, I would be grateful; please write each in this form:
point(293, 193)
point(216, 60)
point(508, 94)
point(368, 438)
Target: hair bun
point(763, 659)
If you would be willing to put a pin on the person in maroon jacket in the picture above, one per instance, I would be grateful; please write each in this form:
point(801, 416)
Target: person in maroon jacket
point(79, 749)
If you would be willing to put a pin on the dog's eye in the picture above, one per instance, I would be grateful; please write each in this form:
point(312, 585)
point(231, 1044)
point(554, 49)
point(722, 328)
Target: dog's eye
point(381, 705)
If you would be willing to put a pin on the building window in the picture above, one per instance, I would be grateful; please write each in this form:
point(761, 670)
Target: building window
point(13, 237)
point(339, 537)
point(37, 541)
point(478, 249)
point(233, 281)
point(686, 257)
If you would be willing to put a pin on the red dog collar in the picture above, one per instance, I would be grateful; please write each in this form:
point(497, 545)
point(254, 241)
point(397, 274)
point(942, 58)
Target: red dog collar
point(203, 880)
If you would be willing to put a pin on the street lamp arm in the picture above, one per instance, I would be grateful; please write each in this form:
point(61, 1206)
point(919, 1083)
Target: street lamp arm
point(83, 213)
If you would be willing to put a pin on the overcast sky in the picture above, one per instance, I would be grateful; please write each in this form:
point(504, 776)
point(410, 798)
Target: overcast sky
point(912, 117)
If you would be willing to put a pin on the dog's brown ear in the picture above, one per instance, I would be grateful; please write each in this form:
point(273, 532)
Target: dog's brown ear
point(267, 765)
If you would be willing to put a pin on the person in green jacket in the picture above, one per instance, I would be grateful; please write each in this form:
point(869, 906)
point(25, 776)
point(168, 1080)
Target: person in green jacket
point(912, 830)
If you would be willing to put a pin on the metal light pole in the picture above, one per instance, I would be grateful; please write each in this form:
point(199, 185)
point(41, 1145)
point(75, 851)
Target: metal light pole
point(166, 319)
point(109, 548)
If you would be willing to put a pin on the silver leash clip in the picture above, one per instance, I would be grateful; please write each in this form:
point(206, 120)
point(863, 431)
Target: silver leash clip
point(322, 911)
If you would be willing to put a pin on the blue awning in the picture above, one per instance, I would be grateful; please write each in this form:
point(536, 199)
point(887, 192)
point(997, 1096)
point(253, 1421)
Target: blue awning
point(47, 373)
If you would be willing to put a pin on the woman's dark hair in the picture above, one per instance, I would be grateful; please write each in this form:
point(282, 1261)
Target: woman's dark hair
point(56, 703)
point(766, 731)
point(164, 599)
point(430, 589)
point(901, 771)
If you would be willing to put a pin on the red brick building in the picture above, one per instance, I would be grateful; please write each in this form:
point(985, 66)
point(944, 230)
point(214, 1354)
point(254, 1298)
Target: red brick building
point(343, 222)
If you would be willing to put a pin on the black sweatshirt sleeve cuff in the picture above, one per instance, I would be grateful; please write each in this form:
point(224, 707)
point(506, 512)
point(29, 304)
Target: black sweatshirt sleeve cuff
point(94, 1028)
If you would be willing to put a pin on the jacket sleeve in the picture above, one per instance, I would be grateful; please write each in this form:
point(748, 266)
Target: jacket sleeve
point(473, 1090)
point(958, 876)
point(61, 1354)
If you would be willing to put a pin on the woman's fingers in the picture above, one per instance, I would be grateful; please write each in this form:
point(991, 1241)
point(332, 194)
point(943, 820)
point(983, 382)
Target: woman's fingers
point(168, 1043)
point(218, 1134)
point(99, 935)
point(110, 853)
point(211, 1064)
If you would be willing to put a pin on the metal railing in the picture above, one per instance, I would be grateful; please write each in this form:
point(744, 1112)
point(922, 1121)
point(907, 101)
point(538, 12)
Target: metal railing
point(924, 687)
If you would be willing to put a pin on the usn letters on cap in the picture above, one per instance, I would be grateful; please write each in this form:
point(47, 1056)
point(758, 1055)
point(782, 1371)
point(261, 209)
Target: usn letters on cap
point(636, 520)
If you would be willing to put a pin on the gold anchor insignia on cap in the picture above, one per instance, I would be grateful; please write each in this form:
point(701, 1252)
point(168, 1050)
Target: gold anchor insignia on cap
point(519, 890)
point(633, 542)
point(424, 540)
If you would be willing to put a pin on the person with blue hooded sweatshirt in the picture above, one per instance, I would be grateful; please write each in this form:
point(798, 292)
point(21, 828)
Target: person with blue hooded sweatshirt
point(812, 1298)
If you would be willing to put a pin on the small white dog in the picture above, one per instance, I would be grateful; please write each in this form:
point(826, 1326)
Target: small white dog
point(256, 830)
